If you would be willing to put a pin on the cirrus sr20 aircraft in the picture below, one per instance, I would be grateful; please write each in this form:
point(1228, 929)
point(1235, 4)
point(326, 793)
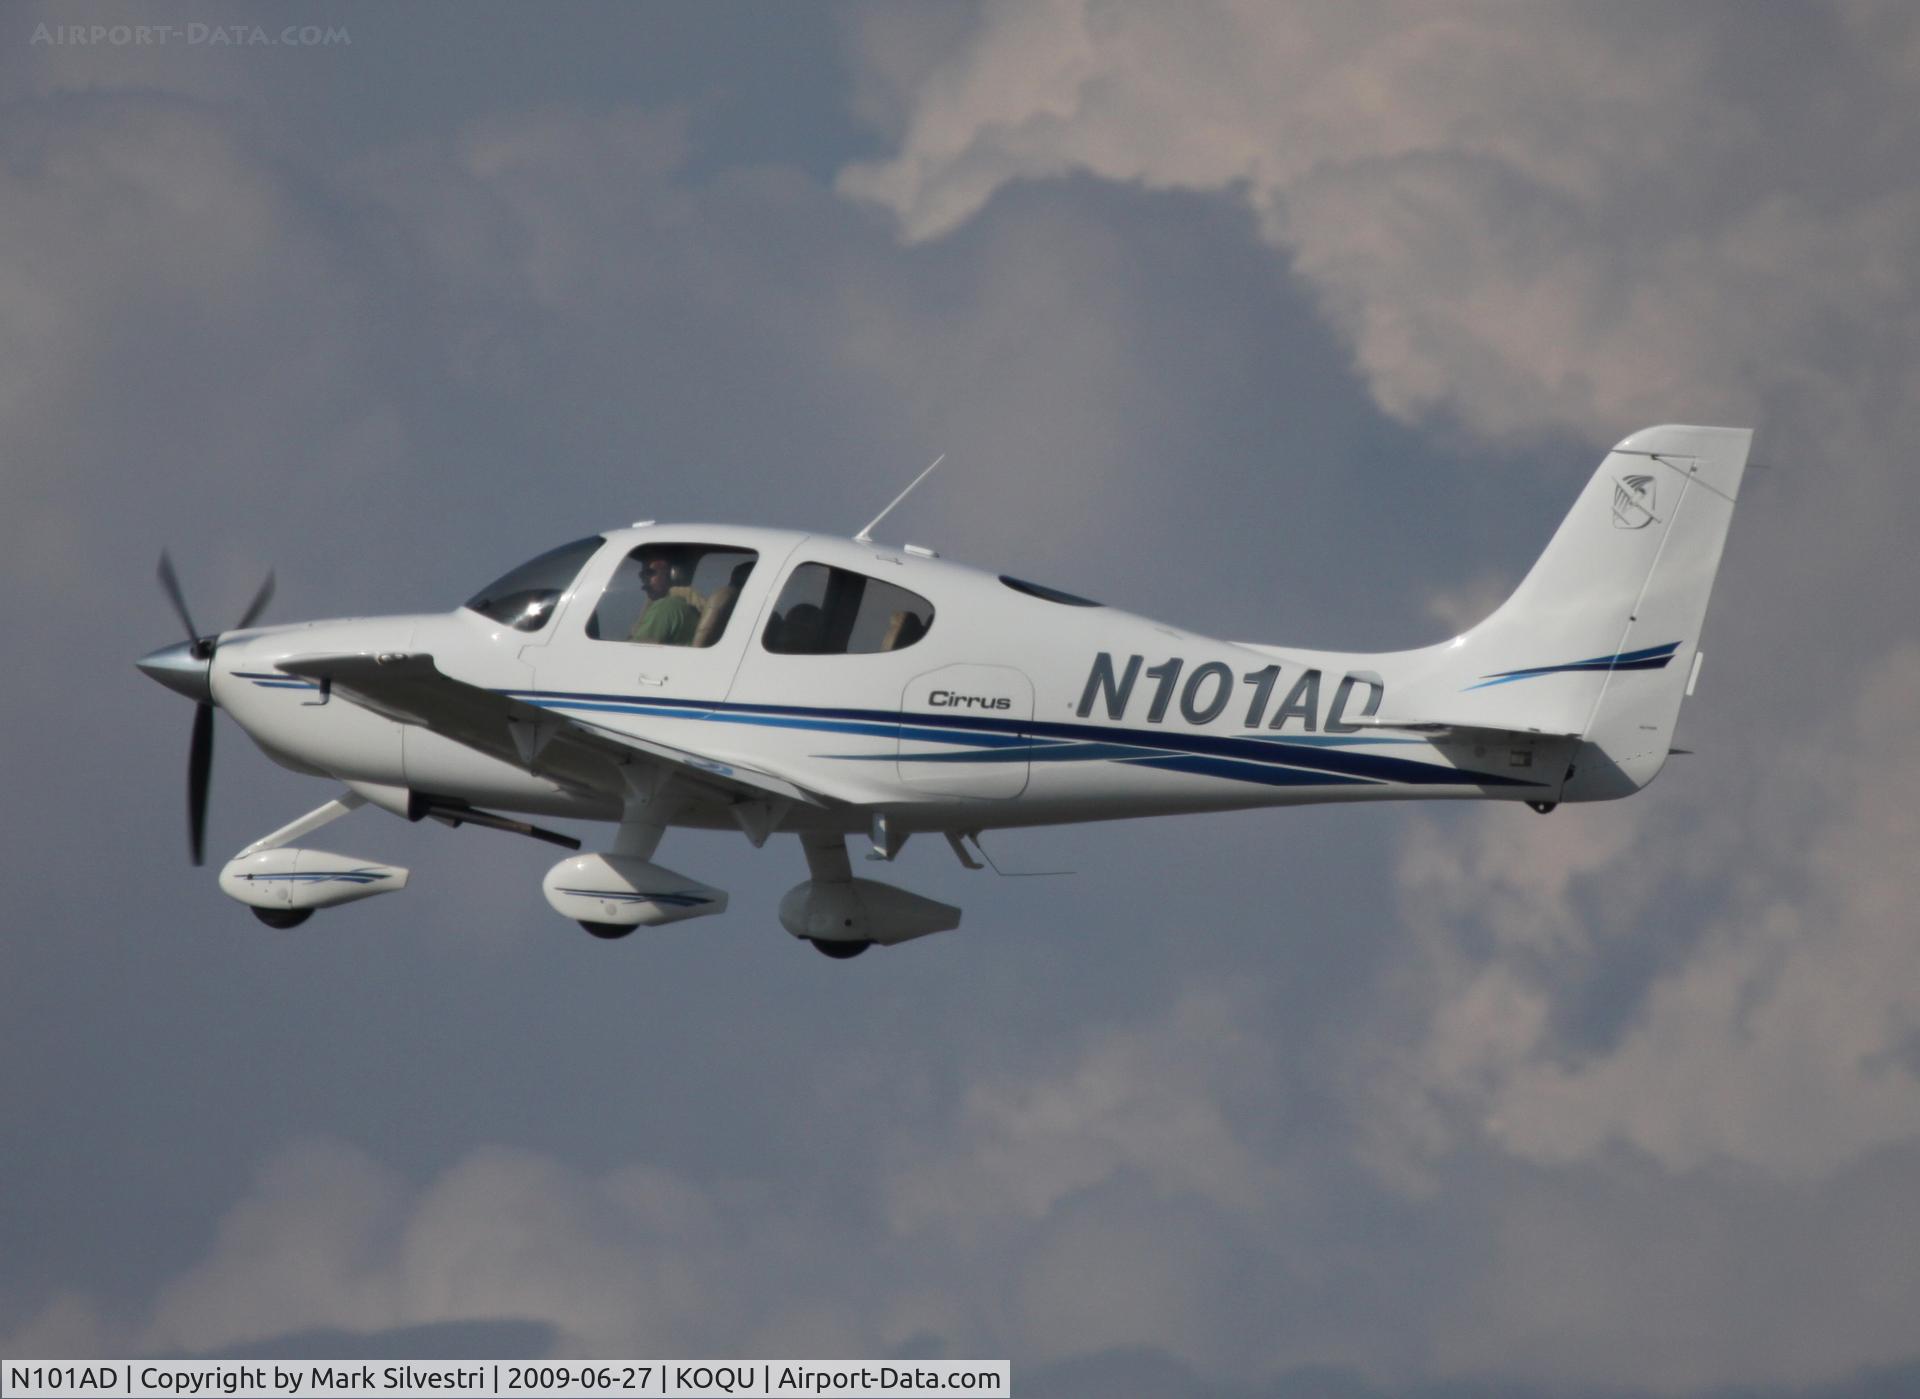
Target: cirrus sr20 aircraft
point(782, 683)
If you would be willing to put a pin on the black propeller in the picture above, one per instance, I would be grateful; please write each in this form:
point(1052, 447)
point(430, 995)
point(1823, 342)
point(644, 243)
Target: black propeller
point(199, 769)
point(200, 648)
point(171, 583)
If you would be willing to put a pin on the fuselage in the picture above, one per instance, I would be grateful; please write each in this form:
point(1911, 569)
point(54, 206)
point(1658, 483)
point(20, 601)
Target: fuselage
point(950, 698)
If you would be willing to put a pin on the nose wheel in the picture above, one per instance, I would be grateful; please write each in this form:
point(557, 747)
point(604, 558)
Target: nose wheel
point(838, 949)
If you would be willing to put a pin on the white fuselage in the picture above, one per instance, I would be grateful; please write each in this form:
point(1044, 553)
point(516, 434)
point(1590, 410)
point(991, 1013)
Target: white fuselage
point(1011, 709)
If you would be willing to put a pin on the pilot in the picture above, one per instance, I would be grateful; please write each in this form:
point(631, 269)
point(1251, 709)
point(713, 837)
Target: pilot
point(669, 620)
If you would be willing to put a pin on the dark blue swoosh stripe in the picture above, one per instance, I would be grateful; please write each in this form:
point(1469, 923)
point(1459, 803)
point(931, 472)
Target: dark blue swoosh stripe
point(1263, 750)
point(1649, 658)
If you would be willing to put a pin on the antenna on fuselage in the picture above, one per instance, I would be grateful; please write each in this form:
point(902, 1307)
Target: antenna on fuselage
point(866, 535)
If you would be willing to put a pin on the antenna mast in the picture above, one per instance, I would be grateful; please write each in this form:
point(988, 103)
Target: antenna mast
point(866, 535)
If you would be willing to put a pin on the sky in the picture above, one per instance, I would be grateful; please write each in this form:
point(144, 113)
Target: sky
point(1291, 323)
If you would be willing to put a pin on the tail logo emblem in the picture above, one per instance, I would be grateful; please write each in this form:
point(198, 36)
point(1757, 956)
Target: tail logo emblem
point(1632, 502)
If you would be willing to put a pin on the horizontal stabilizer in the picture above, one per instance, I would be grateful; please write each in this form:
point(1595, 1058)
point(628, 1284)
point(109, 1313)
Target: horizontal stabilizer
point(1448, 728)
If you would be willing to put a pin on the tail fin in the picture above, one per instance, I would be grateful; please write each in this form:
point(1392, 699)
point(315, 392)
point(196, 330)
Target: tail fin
point(1601, 638)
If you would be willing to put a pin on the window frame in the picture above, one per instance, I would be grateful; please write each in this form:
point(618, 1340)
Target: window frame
point(779, 609)
point(617, 589)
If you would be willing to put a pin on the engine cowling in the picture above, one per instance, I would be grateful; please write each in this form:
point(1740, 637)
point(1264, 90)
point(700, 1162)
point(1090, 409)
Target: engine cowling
point(626, 891)
point(862, 910)
point(293, 878)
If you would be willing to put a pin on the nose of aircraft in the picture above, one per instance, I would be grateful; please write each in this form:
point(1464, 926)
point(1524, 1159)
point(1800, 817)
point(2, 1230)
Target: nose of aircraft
point(180, 670)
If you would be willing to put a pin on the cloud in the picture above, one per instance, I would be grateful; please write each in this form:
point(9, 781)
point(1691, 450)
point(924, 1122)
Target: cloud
point(329, 1239)
point(1522, 222)
point(1126, 1102)
point(304, 1247)
point(1779, 1036)
point(1788, 1041)
point(1679, 1285)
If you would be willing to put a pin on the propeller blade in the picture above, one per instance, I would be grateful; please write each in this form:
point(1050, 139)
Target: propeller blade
point(258, 605)
point(166, 666)
point(171, 584)
point(199, 766)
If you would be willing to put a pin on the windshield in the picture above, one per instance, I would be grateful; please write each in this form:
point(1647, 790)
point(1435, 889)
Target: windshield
point(524, 598)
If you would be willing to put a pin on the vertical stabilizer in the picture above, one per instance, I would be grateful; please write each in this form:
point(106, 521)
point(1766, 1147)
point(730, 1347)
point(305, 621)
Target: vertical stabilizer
point(1600, 637)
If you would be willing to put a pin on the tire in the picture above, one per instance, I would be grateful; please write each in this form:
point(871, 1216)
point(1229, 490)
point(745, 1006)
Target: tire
point(283, 917)
point(608, 931)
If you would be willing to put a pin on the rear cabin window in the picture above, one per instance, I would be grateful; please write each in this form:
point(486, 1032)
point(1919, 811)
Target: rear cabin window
point(826, 611)
point(672, 595)
point(1046, 594)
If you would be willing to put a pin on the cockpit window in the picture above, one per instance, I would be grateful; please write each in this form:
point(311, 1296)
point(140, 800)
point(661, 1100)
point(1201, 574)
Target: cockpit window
point(825, 611)
point(525, 598)
point(1046, 594)
point(672, 594)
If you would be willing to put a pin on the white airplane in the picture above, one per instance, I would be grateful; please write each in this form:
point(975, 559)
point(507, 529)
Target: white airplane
point(777, 682)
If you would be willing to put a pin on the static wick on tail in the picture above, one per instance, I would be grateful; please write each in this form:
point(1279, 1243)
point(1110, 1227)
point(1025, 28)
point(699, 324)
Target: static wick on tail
point(866, 535)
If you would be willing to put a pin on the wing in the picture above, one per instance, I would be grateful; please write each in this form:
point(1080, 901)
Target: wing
point(411, 689)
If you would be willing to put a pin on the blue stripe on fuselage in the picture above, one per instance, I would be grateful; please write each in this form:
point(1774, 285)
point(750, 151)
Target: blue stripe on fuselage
point(1307, 754)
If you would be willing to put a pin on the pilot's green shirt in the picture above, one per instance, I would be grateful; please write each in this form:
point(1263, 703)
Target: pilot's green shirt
point(668, 621)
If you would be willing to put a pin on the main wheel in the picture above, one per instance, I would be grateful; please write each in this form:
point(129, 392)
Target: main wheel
point(609, 931)
point(838, 949)
point(283, 917)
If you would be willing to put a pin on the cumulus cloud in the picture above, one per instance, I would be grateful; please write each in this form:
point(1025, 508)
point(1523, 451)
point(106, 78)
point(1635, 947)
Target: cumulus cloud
point(1780, 1039)
point(303, 1247)
point(1523, 221)
point(1788, 1041)
point(1682, 1285)
point(1127, 1102)
point(327, 1238)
